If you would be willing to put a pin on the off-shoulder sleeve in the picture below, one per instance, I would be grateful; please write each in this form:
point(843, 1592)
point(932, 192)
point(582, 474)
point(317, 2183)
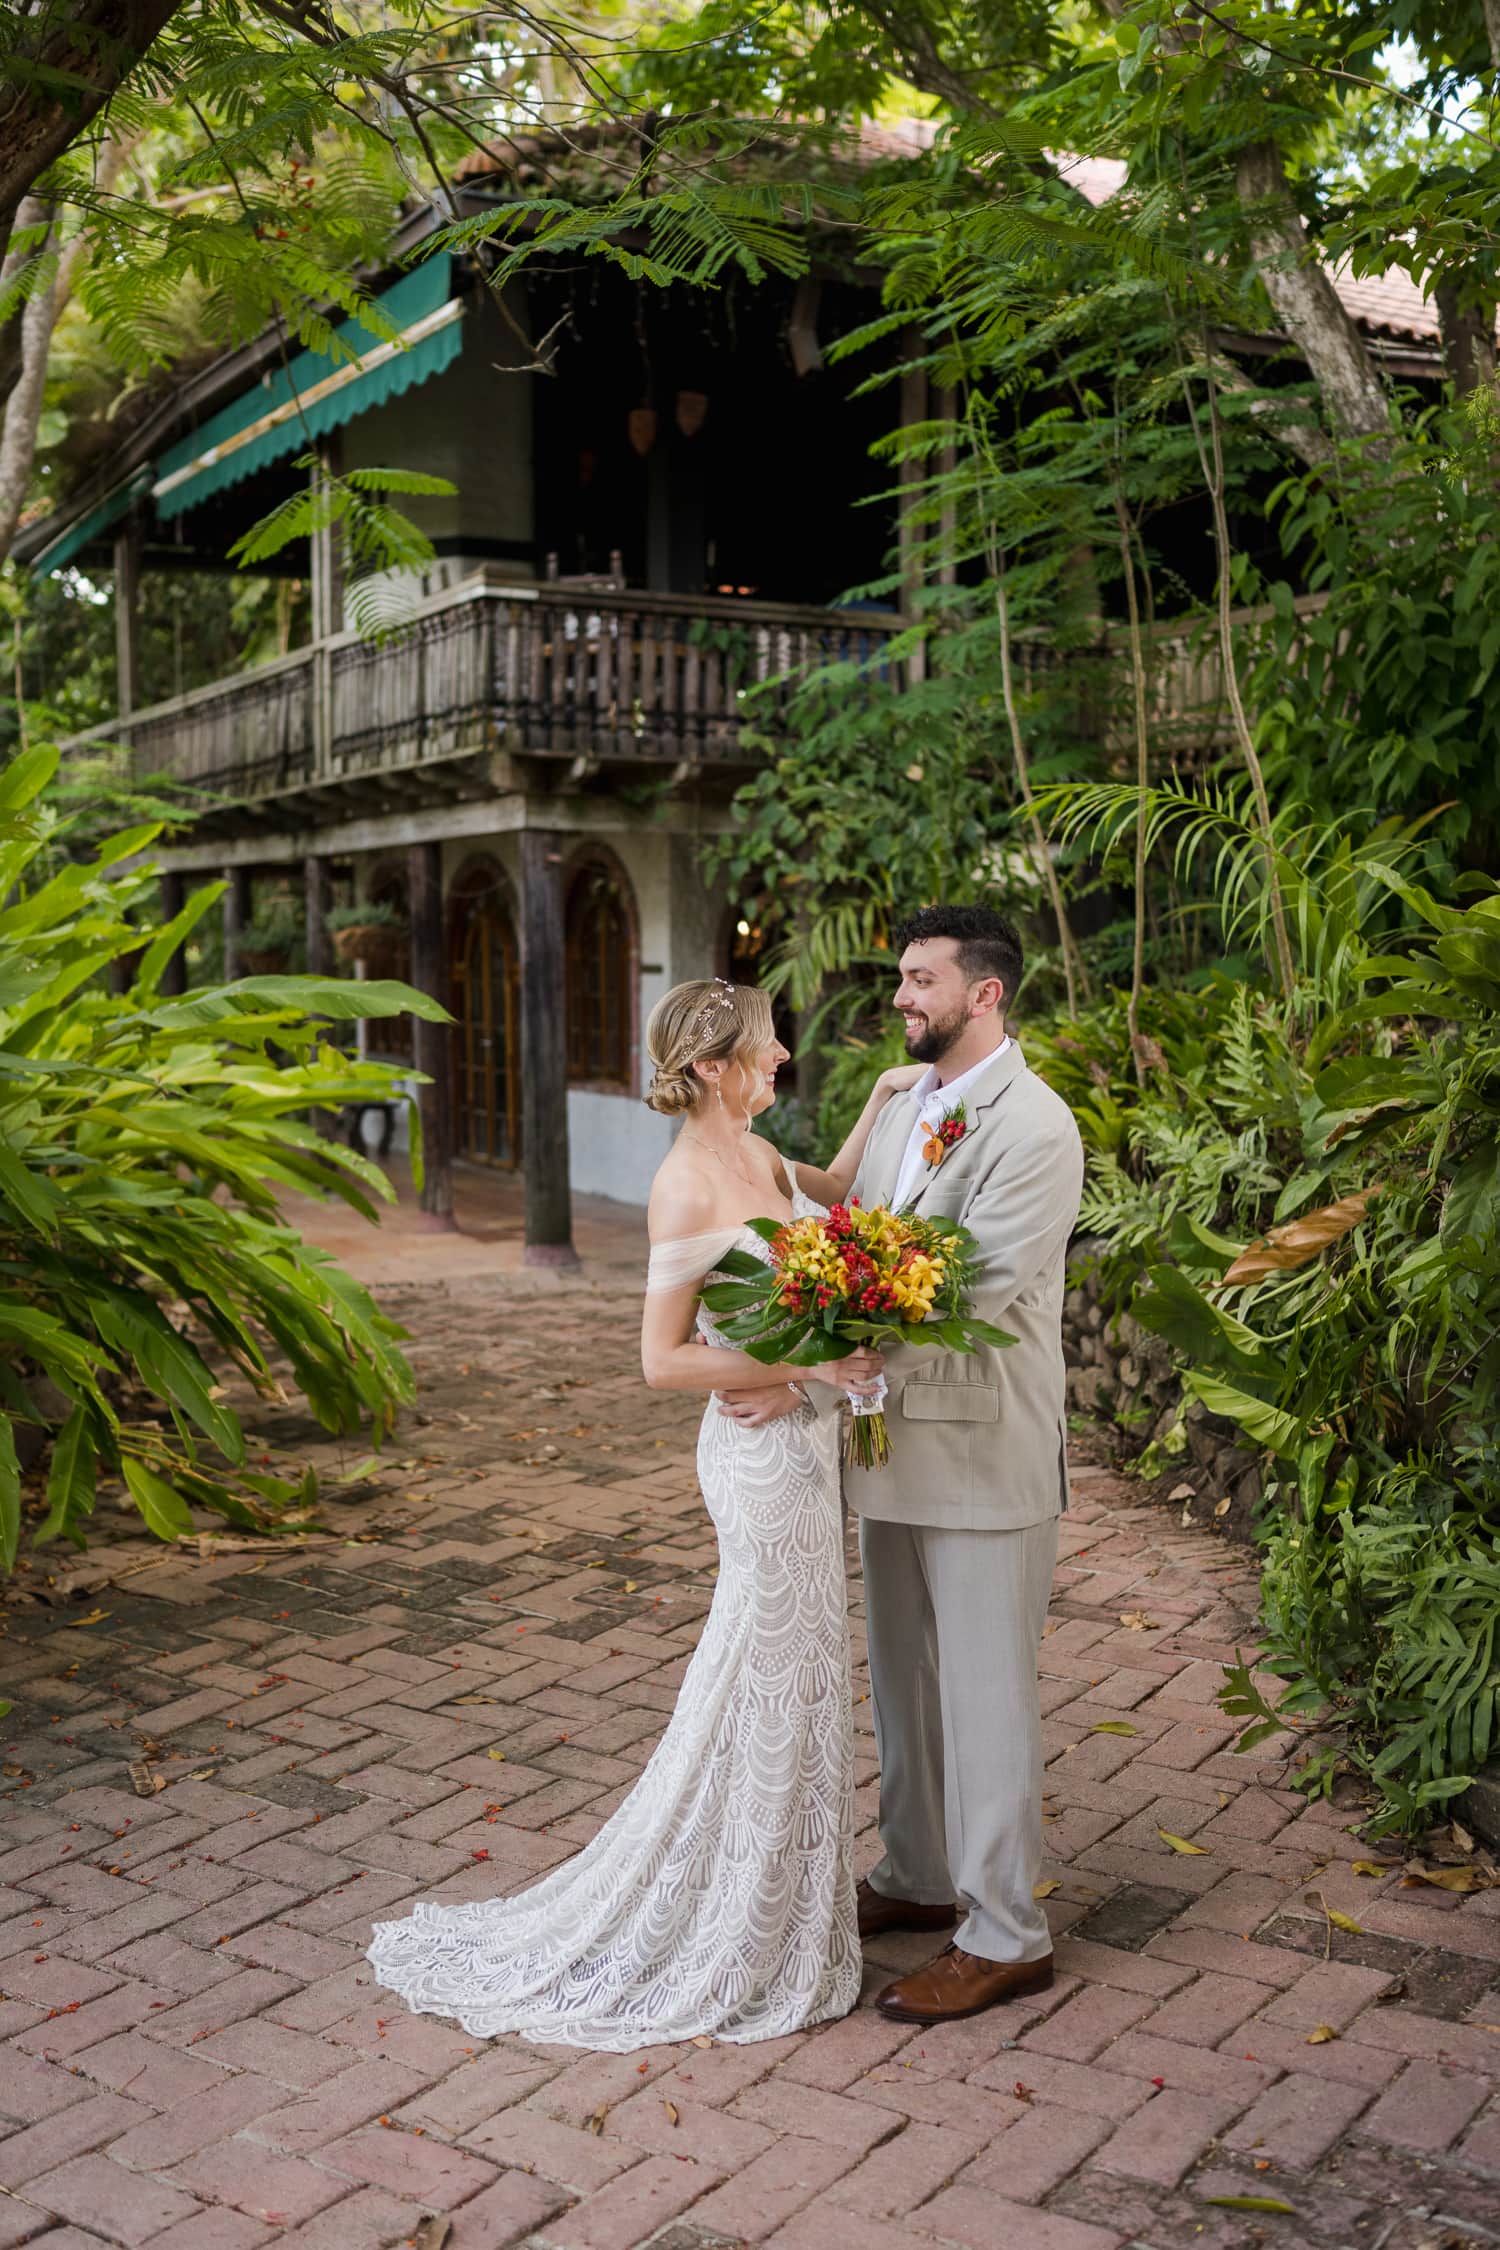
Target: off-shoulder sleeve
point(687, 1257)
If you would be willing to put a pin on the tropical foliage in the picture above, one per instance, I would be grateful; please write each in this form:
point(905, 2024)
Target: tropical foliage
point(143, 1139)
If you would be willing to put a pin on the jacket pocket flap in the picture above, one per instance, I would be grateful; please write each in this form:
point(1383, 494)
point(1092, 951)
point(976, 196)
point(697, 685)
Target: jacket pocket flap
point(950, 1402)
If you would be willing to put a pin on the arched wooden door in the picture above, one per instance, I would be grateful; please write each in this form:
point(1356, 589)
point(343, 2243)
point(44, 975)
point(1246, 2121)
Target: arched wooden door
point(486, 967)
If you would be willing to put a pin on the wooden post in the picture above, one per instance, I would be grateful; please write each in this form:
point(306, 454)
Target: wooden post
point(544, 1054)
point(433, 1042)
point(327, 619)
point(173, 898)
point(237, 911)
point(127, 616)
point(317, 888)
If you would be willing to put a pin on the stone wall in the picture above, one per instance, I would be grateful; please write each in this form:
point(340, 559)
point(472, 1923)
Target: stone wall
point(1122, 1375)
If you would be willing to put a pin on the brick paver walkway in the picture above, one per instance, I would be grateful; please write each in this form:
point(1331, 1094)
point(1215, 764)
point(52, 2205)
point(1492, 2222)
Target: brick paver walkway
point(193, 2057)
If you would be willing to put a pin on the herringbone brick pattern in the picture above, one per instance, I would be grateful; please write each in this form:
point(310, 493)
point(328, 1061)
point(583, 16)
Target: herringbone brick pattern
point(193, 2057)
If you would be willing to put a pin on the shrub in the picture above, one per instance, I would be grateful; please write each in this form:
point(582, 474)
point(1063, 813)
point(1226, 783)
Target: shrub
point(142, 1140)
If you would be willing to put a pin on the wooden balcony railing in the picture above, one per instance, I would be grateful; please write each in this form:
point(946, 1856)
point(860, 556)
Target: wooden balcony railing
point(551, 671)
point(599, 674)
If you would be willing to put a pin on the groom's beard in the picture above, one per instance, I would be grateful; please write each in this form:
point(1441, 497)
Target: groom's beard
point(931, 1039)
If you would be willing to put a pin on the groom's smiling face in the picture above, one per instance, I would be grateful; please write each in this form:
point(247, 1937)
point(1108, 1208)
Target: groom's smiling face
point(935, 999)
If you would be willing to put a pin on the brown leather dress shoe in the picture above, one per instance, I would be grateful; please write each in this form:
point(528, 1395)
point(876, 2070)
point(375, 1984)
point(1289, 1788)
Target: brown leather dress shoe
point(877, 1913)
point(961, 1984)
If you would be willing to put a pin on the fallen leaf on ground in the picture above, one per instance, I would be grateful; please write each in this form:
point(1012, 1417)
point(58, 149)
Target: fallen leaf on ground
point(1334, 1919)
point(1021, 2092)
point(673, 2118)
point(1223, 1507)
point(95, 1617)
point(1181, 1844)
point(1138, 1621)
point(596, 2122)
point(1321, 2036)
point(1461, 1879)
point(144, 1782)
point(1112, 1726)
point(497, 1755)
point(1248, 2202)
point(1374, 1866)
point(1044, 1890)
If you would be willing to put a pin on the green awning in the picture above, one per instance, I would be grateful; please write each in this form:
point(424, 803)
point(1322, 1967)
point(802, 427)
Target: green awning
point(317, 392)
point(59, 552)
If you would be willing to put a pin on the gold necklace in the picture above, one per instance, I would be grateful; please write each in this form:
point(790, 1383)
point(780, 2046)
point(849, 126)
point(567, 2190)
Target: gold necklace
point(695, 1141)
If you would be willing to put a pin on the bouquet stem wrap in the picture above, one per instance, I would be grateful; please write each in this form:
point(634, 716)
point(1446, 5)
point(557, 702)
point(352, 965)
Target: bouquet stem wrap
point(867, 1438)
point(859, 1277)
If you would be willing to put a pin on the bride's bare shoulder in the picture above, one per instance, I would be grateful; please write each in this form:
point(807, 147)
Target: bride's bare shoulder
point(682, 1201)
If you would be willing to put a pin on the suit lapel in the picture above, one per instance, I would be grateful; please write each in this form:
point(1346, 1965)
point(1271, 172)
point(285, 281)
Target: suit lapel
point(991, 1084)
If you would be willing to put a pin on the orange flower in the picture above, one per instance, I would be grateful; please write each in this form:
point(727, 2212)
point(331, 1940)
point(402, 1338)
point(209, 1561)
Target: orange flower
point(933, 1149)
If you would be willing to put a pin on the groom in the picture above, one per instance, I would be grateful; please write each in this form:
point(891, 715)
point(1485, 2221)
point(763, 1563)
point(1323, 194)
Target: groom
point(958, 1534)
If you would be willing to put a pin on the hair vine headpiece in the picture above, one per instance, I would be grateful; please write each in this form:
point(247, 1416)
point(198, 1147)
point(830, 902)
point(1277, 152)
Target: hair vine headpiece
point(710, 1016)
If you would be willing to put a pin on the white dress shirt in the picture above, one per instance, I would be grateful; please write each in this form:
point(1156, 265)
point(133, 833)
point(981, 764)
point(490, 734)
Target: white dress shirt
point(929, 1102)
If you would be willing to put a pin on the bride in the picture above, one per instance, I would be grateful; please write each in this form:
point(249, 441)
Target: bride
point(719, 1899)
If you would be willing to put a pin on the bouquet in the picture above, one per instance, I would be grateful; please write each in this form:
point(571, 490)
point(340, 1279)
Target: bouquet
point(875, 1277)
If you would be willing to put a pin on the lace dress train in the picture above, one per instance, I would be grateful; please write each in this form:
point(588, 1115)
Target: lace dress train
point(719, 1898)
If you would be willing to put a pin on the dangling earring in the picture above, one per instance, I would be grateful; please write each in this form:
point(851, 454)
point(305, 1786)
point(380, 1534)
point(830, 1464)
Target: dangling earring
point(718, 1089)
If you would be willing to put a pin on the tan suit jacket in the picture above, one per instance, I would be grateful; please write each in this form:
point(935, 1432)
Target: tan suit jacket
point(978, 1440)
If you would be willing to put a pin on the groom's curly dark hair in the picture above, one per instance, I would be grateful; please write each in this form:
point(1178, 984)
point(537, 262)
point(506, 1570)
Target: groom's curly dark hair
point(988, 945)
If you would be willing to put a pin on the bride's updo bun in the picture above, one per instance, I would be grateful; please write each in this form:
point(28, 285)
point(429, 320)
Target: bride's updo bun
point(705, 1020)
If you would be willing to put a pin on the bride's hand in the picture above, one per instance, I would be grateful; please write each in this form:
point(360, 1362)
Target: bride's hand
point(899, 1079)
point(860, 1372)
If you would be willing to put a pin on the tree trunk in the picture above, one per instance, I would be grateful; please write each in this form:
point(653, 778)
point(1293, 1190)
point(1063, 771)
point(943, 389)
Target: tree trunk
point(544, 1054)
point(29, 335)
point(1305, 301)
point(432, 1042)
point(1468, 332)
point(32, 329)
point(69, 57)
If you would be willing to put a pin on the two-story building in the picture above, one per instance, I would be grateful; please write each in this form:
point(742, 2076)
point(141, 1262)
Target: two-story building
point(661, 497)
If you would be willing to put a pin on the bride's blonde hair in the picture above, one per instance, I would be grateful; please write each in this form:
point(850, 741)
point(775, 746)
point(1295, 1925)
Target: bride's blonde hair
point(704, 1020)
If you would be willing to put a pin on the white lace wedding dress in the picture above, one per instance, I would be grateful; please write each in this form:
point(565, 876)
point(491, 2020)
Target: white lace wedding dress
point(719, 1898)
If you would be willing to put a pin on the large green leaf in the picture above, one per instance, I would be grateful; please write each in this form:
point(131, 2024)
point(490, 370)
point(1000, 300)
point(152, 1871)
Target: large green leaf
point(173, 935)
point(71, 1481)
point(26, 776)
point(10, 1495)
point(1471, 1207)
point(1267, 1424)
point(340, 998)
point(1173, 1307)
point(165, 1511)
point(30, 1193)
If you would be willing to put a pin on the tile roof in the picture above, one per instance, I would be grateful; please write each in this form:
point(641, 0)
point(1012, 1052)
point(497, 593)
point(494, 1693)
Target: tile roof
point(1390, 303)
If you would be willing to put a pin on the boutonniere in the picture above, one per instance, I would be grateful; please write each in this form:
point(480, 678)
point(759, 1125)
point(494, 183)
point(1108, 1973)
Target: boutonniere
point(944, 1135)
